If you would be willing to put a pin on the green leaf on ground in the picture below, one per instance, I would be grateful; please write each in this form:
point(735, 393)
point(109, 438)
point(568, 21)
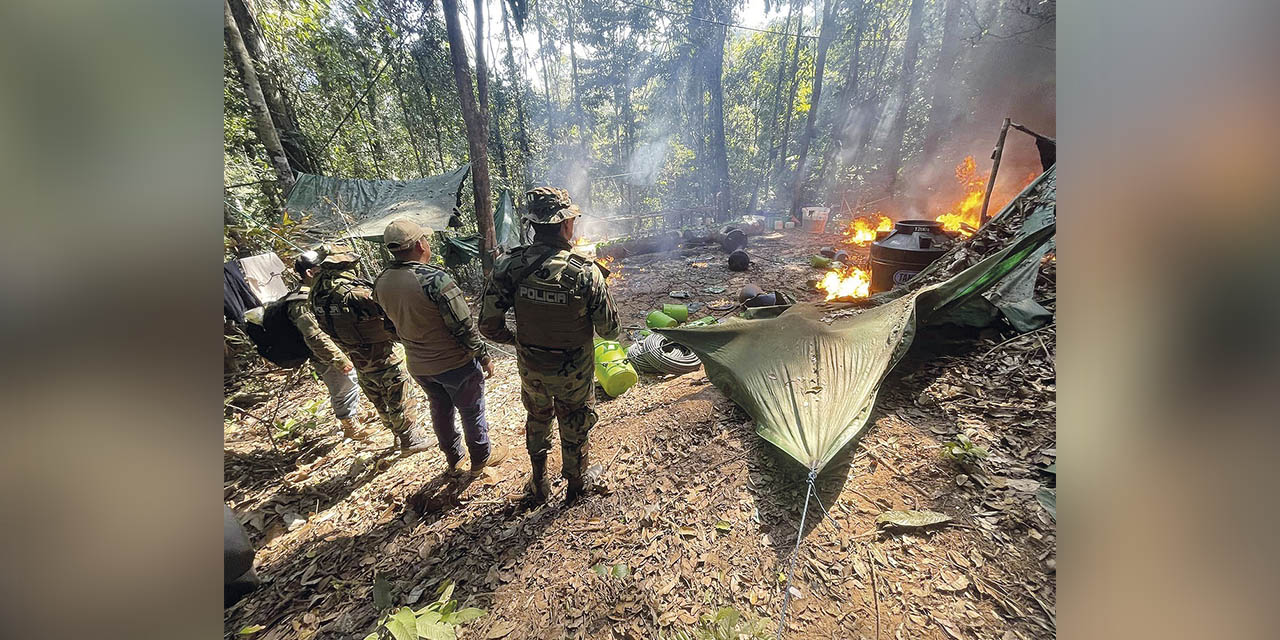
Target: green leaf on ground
point(381, 592)
point(1049, 500)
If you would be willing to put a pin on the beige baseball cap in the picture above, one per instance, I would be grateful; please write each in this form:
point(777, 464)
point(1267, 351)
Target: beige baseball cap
point(402, 233)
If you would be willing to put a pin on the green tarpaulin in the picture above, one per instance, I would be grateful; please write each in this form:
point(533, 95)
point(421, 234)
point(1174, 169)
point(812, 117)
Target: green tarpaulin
point(809, 377)
point(347, 207)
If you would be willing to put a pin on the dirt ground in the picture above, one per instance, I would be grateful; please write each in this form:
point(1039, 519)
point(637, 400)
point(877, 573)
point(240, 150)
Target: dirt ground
point(703, 513)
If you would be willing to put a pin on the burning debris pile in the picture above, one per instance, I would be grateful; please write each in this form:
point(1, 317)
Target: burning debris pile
point(899, 251)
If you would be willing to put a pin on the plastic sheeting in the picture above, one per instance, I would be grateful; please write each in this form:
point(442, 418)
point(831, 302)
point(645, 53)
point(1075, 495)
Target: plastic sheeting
point(347, 207)
point(810, 376)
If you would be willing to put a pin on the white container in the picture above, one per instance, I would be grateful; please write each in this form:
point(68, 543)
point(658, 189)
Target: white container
point(814, 219)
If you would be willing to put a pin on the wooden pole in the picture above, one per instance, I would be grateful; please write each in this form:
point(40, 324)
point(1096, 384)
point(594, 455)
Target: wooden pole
point(995, 166)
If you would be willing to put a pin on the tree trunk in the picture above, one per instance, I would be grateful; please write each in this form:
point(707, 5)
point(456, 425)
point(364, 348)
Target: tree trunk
point(777, 109)
point(291, 137)
point(940, 111)
point(522, 129)
point(845, 100)
point(791, 101)
point(263, 125)
point(373, 129)
point(910, 53)
point(825, 35)
point(719, 154)
point(476, 138)
point(432, 109)
point(543, 37)
point(408, 122)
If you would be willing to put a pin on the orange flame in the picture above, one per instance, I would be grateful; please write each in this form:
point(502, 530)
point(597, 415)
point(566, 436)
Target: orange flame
point(854, 283)
point(582, 240)
point(862, 231)
point(965, 216)
point(615, 271)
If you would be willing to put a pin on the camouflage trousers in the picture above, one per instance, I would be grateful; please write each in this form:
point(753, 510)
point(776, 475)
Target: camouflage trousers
point(380, 372)
point(559, 385)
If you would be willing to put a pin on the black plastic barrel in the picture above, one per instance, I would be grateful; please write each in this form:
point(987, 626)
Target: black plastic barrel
point(905, 251)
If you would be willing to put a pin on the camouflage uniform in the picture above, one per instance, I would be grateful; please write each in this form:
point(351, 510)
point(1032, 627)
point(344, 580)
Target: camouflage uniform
point(343, 304)
point(328, 360)
point(557, 305)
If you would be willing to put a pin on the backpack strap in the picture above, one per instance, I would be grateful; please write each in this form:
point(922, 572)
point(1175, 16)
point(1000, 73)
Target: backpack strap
point(535, 265)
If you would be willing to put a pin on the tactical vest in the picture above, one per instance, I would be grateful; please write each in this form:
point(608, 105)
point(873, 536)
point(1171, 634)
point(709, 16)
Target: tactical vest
point(551, 304)
point(331, 301)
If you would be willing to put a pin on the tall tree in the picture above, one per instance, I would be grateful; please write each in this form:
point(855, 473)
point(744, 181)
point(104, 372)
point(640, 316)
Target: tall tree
point(291, 137)
point(263, 125)
point(777, 106)
point(940, 109)
point(898, 133)
point(713, 76)
point(842, 115)
point(522, 128)
point(791, 102)
point(825, 35)
point(476, 138)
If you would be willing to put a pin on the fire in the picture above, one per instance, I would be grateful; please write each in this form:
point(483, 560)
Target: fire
point(854, 283)
point(967, 210)
point(581, 241)
point(615, 271)
point(965, 216)
point(862, 230)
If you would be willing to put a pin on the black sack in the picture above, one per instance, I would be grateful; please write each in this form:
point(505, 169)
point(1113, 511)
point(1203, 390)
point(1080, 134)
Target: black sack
point(277, 338)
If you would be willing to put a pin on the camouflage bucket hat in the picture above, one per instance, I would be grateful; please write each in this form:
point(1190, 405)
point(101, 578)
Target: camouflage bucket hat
point(549, 205)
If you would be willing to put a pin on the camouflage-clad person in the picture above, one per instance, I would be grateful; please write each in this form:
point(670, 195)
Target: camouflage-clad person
point(559, 298)
point(333, 367)
point(343, 303)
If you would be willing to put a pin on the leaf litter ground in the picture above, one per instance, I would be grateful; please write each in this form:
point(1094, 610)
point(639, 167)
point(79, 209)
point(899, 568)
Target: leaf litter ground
point(703, 513)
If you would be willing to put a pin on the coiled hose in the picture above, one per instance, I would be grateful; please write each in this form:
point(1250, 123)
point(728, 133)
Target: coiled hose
point(656, 354)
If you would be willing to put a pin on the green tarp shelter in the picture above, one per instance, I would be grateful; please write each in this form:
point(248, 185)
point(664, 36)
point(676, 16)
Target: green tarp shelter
point(348, 207)
point(810, 376)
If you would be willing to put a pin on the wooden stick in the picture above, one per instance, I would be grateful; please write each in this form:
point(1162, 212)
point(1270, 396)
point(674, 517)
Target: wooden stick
point(995, 167)
point(875, 589)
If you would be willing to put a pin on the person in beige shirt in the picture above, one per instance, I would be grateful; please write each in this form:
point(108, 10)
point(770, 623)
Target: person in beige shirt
point(444, 351)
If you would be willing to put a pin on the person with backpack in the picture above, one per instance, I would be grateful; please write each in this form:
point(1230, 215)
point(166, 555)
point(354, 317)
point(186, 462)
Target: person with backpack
point(445, 353)
point(333, 367)
point(560, 299)
point(343, 304)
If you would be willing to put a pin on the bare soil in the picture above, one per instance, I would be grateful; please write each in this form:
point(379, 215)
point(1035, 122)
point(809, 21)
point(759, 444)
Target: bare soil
point(703, 512)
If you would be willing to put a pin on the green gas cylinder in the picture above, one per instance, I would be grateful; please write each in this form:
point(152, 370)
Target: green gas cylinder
point(659, 320)
point(614, 373)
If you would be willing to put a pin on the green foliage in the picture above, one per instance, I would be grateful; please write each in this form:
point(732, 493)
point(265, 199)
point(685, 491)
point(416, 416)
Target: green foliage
point(308, 420)
point(726, 624)
point(439, 620)
point(963, 450)
point(616, 571)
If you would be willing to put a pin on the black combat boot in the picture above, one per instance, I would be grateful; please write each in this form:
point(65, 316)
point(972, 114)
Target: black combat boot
point(538, 489)
point(586, 480)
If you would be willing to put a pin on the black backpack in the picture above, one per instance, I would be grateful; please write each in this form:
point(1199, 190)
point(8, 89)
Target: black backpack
point(277, 338)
